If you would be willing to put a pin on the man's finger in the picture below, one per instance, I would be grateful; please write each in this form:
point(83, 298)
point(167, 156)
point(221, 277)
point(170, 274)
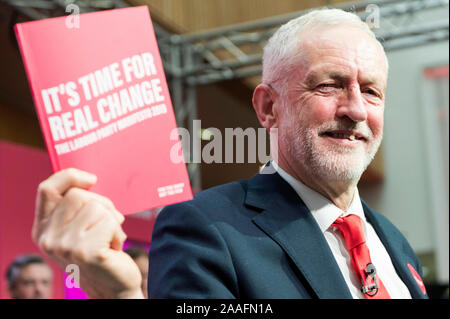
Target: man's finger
point(116, 236)
point(71, 177)
point(74, 200)
point(51, 190)
point(94, 222)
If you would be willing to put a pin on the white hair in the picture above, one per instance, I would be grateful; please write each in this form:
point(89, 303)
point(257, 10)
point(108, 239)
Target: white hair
point(283, 47)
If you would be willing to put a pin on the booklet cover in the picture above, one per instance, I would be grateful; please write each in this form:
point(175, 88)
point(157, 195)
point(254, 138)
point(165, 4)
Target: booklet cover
point(103, 104)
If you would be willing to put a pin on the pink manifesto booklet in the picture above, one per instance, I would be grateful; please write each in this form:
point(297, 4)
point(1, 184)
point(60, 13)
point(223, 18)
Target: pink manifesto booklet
point(103, 104)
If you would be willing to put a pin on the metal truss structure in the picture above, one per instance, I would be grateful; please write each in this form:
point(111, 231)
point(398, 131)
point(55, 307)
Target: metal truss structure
point(235, 52)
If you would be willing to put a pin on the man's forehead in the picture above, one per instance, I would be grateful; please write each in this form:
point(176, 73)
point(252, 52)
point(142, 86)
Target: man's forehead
point(36, 269)
point(326, 55)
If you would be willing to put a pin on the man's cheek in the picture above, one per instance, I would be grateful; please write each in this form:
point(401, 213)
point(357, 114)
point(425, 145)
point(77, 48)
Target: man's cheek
point(322, 109)
point(376, 124)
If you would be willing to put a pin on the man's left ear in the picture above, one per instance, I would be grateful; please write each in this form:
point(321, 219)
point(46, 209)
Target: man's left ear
point(264, 99)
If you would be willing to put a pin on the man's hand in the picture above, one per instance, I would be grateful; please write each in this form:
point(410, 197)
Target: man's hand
point(75, 226)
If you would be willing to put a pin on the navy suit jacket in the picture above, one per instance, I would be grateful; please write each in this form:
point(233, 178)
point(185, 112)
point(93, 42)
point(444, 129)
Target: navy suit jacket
point(256, 239)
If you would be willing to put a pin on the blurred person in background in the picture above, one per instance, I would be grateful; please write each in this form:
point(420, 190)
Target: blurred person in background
point(29, 277)
point(140, 257)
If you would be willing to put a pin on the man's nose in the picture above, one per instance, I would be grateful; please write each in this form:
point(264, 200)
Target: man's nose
point(39, 290)
point(352, 106)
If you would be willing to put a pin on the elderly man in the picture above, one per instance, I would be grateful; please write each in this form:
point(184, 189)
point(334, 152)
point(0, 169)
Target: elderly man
point(29, 277)
point(302, 232)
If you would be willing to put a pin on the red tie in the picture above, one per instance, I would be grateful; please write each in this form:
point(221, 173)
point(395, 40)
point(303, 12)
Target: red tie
point(351, 228)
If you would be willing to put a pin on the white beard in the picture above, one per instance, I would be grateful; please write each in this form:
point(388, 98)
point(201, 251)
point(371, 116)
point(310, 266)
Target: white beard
point(335, 163)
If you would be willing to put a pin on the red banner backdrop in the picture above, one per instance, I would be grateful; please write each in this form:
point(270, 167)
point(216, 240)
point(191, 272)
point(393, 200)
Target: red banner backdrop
point(21, 170)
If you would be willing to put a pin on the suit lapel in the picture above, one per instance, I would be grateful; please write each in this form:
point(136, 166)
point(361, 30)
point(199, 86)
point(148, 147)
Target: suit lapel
point(393, 242)
point(287, 220)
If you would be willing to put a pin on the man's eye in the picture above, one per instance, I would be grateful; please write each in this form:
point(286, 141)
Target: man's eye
point(371, 92)
point(326, 87)
point(27, 282)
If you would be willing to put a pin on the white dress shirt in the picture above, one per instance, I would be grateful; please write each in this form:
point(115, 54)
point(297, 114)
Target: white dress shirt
point(325, 213)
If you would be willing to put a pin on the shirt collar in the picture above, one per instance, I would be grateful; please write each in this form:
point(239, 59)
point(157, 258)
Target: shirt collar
point(322, 209)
